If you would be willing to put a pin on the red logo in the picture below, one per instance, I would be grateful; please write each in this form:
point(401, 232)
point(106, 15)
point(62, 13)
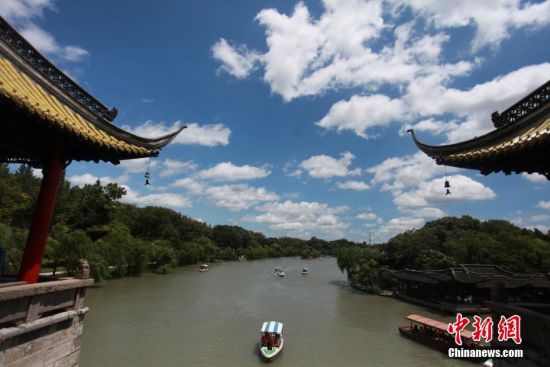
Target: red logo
point(456, 327)
point(483, 329)
point(508, 328)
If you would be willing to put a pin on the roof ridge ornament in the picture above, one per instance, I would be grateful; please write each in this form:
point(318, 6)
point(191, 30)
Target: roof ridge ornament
point(518, 144)
point(527, 105)
point(23, 48)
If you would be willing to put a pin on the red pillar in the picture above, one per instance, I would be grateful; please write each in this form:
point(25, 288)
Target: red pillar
point(38, 233)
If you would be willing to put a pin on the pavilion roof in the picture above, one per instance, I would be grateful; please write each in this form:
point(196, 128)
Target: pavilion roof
point(520, 142)
point(39, 104)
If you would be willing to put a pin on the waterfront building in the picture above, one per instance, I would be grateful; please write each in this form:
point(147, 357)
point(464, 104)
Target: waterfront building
point(48, 121)
point(467, 288)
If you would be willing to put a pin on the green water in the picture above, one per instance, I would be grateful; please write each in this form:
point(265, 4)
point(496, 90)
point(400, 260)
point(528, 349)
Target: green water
point(188, 318)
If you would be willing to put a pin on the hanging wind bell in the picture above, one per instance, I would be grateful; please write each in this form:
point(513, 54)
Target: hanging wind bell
point(148, 173)
point(447, 184)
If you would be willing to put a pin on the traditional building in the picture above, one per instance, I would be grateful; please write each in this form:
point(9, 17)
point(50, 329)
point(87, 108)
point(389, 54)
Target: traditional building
point(520, 142)
point(48, 121)
point(466, 288)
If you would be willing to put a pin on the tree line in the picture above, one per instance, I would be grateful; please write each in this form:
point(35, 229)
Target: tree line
point(120, 239)
point(444, 243)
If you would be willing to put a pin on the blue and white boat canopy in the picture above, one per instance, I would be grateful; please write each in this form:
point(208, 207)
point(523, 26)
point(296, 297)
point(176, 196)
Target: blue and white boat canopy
point(272, 327)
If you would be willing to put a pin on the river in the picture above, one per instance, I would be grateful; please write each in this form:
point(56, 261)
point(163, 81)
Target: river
point(187, 318)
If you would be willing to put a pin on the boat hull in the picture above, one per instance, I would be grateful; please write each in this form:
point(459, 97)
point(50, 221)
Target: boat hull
point(440, 344)
point(269, 355)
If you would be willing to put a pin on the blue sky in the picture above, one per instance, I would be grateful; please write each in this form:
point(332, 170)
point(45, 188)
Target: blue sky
point(296, 111)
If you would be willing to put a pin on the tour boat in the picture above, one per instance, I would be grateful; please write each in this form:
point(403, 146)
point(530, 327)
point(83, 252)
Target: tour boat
point(434, 334)
point(272, 341)
point(203, 268)
point(305, 271)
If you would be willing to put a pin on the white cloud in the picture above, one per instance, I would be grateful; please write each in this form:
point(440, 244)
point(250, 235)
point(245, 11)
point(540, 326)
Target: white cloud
point(426, 97)
point(367, 216)
point(426, 212)
point(238, 197)
point(544, 204)
point(23, 14)
point(237, 62)
point(171, 167)
point(352, 185)
point(324, 166)
point(541, 227)
point(540, 218)
point(535, 177)
point(307, 55)
point(165, 199)
point(397, 173)
point(410, 180)
point(463, 188)
point(493, 19)
point(89, 179)
point(302, 219)
point(360, 113)
point(36, 172)
point(227, 171)
point(47, 44)
point(191, 185)
point(365, 45)
point(398, 225)
point(24, 10)
point(432, 126)
point(207, 135)
point(429, 96)
point(138, 165)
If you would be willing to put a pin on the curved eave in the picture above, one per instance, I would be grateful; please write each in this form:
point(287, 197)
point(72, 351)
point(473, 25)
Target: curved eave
point(74, 97)
point(495, 137)
point(149, 143)
point(33, 99)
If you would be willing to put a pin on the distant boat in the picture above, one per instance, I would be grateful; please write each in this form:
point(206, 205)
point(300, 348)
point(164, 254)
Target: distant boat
point(271, 343)
point(203, 268)
point(277, 270)
point(242, 258)
point(281, 273)
point(305, 271)
point(386, 293)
